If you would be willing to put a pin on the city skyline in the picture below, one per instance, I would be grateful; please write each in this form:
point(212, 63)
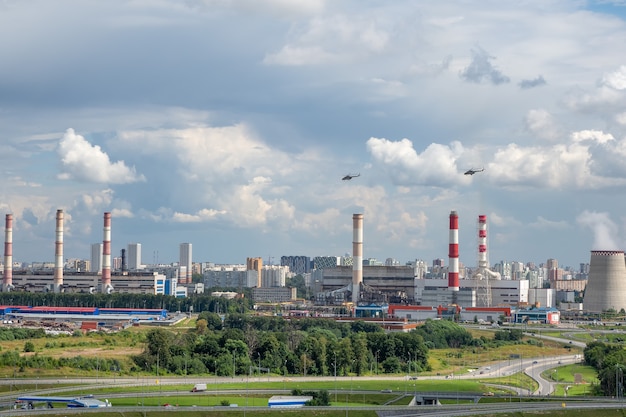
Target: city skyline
point(231, 125)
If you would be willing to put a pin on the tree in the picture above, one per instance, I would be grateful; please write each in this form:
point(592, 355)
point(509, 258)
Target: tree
point(158, 344)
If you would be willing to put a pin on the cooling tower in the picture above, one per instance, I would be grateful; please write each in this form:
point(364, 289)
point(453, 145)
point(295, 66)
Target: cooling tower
point(606, 287)
point(357, 256)
point(7, 280)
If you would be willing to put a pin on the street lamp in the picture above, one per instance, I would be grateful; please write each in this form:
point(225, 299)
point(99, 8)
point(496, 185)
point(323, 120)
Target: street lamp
point(335, 365)
point(233, 363)
point(377, 361)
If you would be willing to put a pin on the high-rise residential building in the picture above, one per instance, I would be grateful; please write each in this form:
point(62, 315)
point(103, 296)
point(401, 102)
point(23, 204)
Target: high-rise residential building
point(185, 261)
point(255, 264)
point(274, 276)
point(134, 256)
point(297, 264)
point(323, 262)
point(96, 258)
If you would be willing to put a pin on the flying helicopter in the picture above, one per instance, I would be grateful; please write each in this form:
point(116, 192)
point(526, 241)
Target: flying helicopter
point(472, 171)
point(350, 176)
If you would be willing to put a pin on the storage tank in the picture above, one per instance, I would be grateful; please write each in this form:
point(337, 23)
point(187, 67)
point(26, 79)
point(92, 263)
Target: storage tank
point(606, 287)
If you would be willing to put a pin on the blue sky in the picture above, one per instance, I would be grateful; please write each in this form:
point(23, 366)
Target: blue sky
point(230, 123)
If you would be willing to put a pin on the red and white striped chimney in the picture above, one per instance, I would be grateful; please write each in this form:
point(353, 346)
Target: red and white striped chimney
point(357, 256)
point(58, 252)
point(482, 242)
point(7, 281)
point(453, 253)
point(106, 253)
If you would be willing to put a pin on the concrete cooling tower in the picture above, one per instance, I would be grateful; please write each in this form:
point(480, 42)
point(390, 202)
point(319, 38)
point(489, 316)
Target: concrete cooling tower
point(606, 287)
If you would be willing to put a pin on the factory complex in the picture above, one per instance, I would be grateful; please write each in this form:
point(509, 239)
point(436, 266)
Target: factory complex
point(357, 287)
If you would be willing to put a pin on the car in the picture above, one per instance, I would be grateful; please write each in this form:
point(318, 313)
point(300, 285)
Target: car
point(488, 394)
point(413, 378)
point(534, 362)
point(386, 391)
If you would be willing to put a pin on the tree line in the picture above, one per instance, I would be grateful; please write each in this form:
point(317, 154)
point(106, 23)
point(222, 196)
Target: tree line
point(244, 344)
point(609, 360)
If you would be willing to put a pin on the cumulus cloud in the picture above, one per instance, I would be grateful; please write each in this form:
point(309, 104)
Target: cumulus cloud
point(122, 212)
point(535, 82)
point(229, 169)
point(481, 69)
point(199, 216)
point(337, 38)
point(616, 79)
point(608, 94)
point(541, 124)
point(592, 135)
point(435, 166)
point(83, 161)
point(589, 160)
point(604, 230)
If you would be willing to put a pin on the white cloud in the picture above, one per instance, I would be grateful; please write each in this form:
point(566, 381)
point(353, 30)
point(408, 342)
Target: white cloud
point(122, 212)
point(616, 79)
point(83, 161)
point(541, 123)
point(333, 39)
point(200, 216)
point(94, 202)
point(291, 55)
point(604, 230)
point(592, 135)
point(435, 166)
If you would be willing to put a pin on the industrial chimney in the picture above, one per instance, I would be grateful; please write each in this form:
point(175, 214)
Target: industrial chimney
point(357, 256)
point(7, 281)
point(482, 243)
point(106, 255)
point(58, 253)
point(453, 253)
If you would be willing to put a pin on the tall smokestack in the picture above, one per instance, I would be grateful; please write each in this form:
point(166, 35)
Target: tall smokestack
point(453, 269)
point(106, 253)
point(58, 253)
point(482, 243)
point(357, 256)
point(7, 281)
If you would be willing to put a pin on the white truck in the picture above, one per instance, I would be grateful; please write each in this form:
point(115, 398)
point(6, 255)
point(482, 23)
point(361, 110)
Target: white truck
point(199, 388)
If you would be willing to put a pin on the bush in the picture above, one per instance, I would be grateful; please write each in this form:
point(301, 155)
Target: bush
point(29, 347)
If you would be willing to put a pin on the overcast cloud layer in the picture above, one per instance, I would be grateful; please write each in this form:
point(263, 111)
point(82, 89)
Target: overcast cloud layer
point(230, 123)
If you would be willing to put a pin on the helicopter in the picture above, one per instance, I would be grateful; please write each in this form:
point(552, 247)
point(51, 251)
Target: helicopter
point(350, 176)
point(472, 171)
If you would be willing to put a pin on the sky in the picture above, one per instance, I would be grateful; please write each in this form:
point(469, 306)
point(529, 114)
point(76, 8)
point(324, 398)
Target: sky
point(229, 124)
